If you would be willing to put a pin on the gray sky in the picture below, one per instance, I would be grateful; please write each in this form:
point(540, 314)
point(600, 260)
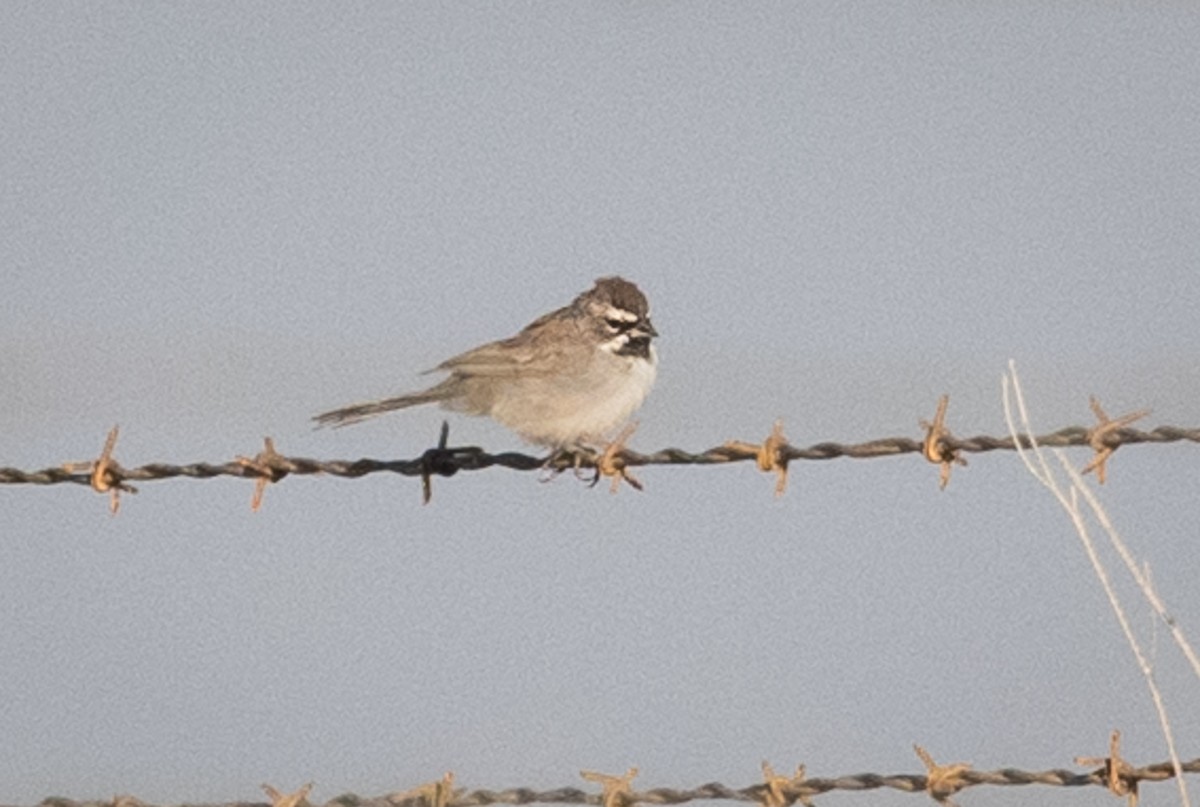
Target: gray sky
point(218, 222)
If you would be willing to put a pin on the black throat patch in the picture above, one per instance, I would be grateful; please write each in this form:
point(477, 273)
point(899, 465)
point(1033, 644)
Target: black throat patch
point(636, 346)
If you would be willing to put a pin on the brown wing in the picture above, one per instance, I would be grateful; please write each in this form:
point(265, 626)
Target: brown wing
point(526, 353)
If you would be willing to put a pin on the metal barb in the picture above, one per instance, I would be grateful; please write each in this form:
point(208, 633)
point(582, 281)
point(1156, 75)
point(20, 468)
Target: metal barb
point(939, 446)
point(942, 781)
point(105, 475)
point(617, 790)
point(1118, 776)
point(296, 799)
point(265, 465)
point(1101, 436)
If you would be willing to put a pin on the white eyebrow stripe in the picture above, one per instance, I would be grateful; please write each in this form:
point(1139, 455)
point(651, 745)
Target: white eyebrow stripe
point(621, 314)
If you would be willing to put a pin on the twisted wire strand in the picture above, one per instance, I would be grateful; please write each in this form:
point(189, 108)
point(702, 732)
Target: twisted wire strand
point(447, 461)
point(713, 791)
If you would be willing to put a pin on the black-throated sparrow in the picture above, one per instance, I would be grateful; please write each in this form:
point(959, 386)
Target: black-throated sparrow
point(567, 379)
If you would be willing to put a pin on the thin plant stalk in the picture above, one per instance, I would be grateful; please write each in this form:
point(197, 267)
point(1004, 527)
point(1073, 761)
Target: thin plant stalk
point(1069, 500)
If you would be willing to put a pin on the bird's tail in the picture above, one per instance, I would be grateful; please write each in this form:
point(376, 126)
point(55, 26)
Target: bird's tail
point(369, 409)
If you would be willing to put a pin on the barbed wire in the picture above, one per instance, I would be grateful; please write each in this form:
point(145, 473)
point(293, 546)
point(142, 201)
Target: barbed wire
point(941, 782)
point(774, 454)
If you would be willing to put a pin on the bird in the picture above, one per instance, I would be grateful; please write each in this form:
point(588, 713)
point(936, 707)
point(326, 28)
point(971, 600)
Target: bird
point(566, 381)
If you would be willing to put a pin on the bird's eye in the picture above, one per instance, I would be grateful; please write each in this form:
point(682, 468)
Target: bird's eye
point(618, 324)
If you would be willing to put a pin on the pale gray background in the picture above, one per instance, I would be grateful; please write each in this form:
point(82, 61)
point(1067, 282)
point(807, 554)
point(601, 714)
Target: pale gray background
point(219, 219)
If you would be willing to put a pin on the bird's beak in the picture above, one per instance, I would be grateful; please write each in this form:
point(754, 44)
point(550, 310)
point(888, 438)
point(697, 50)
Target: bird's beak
point(645, 327)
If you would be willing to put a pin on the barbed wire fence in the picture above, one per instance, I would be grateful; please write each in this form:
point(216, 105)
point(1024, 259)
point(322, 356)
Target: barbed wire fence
point(940, 782)
point(939, 446)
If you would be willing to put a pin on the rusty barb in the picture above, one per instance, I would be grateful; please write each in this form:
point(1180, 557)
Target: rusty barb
point(1118, 776)
point(784, 791)
point(438, 793)
point(942, 781)
point(1104, 437)
point(297, 799)
point(616, 791)
point(614, 461)
point(266, 463)
point(771, 456)
point(939, 447)
point(104, 474)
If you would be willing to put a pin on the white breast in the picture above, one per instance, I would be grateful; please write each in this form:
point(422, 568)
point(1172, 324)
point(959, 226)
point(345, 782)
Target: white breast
point(585, 407)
